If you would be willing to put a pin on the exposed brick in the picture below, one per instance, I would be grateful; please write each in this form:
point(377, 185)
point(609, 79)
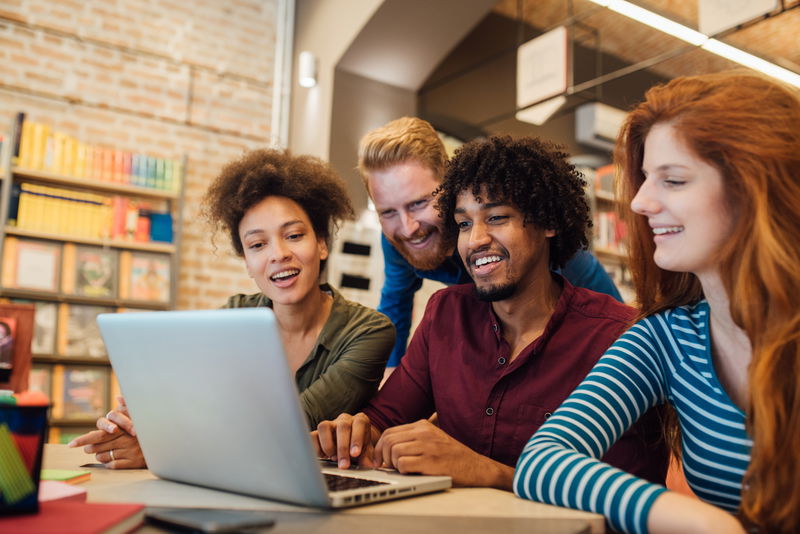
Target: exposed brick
point(235, 37)
point(6, 44)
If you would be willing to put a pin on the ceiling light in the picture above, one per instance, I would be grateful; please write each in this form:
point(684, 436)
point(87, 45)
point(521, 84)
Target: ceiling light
point(658, 22)
point(749, 60)
point(699, 39)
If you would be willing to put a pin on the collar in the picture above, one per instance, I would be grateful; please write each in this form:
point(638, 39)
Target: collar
point(554, 323)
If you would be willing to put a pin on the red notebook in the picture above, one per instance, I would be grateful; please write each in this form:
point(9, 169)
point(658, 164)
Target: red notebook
point(70, 517)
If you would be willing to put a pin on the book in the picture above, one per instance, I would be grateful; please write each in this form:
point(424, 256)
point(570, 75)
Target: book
point(40, 379)
point(604, 180)
point(80, 392)
point(44, 328)
point(93, 272)
point(70, 476)
point(81, 517)
point(22, 144)
point(31, 264)
point(149, 277)
point(8, 334)
point(13, 203)
point(78, 334)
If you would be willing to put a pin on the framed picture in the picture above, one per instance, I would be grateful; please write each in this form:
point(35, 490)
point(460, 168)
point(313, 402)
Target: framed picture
point(44, 326)
point(80, 392)
point(78, 334)
point(40, 378)
point(16, 333)
point(8, 333)
point(94, 272)
point(31, 264)
point(145, 276)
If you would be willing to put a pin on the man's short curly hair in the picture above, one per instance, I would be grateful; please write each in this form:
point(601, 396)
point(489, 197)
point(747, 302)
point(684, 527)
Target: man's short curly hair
point(259, 174)
point(534, 176)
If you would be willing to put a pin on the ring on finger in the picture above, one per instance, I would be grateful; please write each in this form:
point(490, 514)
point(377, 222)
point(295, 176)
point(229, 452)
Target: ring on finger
point(112, 455)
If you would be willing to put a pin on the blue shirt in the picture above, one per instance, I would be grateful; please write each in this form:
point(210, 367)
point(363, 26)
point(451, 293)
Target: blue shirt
point(401, 281)
point(663, 358)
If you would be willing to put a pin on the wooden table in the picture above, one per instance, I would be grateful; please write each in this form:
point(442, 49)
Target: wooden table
point(462, 510)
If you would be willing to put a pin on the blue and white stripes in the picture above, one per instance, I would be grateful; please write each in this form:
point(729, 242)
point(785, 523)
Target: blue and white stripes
point(664, 358)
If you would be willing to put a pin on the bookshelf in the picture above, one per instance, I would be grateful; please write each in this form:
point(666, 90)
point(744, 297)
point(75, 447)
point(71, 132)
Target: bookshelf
point(84, 230)
point(609, 233)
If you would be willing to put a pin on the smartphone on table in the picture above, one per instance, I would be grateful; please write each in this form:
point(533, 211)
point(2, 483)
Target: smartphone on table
point(210, 520)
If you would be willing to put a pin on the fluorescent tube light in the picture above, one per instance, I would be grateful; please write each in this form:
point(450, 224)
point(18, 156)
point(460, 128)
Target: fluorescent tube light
point(749, 60)
point(696, 38)
point(658, 22)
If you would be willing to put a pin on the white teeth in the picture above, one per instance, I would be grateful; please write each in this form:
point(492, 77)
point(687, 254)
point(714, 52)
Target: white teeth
point(667, 230)
point(487, 259)
point(418, 241)
point(284, 274)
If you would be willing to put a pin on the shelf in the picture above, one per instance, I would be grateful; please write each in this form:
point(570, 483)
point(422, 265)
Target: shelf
point(604, 196)
point(611, 254)
point(70, 360)
point(73, 422)
point(167, 248)
point(97, 185)
point(29, 294)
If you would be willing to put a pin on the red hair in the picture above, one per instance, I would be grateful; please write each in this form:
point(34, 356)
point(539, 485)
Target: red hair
point(748, 127)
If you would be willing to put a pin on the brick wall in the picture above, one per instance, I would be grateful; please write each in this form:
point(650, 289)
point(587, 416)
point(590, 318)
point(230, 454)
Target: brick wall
point(162, 77)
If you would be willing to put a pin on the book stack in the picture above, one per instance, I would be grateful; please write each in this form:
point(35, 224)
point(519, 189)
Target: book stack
point(610, 232)
point(54, 210)
point(41, 148)
point(59, 516)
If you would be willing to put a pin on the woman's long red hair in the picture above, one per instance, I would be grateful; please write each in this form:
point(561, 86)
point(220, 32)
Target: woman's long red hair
point(748, 127)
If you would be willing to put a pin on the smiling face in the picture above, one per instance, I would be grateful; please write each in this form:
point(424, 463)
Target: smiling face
point(501, 252)
point(402, 195)
point(683, 198)
point(281, 250)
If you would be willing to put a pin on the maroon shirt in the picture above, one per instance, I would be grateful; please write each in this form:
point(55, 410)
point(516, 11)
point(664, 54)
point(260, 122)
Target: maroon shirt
point(457, 365)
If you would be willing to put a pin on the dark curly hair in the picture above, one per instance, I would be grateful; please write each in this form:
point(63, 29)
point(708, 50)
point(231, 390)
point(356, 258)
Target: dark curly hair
point(259, 174)
point(531, 174)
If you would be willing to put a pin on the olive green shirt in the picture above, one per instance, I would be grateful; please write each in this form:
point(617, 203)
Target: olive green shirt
point(346, 365)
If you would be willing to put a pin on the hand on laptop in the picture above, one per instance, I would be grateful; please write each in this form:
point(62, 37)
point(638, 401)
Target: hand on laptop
point(419, 447)
point(114, 443)
point(347, 436)
point(426, 449)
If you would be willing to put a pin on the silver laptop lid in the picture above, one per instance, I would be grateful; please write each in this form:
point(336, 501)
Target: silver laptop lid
point(214, 402)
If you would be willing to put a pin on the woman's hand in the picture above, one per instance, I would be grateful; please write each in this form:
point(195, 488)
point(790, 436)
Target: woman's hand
point(114, 443)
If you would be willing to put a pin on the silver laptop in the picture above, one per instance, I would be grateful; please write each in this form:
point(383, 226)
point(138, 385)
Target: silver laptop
point(215, 405)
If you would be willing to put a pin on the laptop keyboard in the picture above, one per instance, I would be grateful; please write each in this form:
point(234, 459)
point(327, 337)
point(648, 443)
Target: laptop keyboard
point(339, 483)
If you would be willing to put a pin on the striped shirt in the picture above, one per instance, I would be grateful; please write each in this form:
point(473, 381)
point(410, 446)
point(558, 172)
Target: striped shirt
point(663, 358)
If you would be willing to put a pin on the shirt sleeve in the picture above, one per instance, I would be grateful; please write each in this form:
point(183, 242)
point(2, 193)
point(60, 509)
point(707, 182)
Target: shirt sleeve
point(348, 384)
point(407, 395)
point(583, 270)
point(400, 282)
point(559, 465)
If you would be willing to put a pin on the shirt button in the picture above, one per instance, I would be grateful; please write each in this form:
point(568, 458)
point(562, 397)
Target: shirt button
point(547, 415)
point(494, 327)
point(489, 411)
point(501, 360)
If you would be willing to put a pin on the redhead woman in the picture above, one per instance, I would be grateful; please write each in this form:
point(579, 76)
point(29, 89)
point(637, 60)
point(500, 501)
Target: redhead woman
point(278, 211)
point(710, 167)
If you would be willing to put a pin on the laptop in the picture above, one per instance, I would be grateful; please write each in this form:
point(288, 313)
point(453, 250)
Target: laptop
point(215, 405)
